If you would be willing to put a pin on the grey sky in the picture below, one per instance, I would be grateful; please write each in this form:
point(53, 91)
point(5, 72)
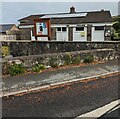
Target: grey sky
point(12, 11)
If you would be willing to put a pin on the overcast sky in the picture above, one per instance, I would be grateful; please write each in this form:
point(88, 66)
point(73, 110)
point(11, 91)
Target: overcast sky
point(12, 11)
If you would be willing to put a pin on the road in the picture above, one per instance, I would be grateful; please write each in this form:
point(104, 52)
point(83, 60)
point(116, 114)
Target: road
point(65, 101)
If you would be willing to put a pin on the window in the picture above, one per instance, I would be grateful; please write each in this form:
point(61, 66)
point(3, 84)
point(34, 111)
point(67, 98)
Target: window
point(79, 28)
point(59, 29)
point(99, 27)
point(63, 28)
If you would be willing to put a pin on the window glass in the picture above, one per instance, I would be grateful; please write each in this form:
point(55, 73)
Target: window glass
point(99, 28)
point(63, 28)
point(79, 28)
point(59, 29)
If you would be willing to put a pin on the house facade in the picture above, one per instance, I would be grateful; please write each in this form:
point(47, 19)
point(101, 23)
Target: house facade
point(8, 32)
point(72, 26)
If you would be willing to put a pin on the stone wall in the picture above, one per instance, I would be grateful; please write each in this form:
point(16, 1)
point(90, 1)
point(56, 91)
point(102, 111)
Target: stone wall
point(59, 58)
point(27, 48)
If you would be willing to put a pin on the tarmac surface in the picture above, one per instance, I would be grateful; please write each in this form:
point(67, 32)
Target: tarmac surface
point(32, 80)
point(63, 101)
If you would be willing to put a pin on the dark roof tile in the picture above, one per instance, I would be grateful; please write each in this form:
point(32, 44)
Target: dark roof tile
point(4, 27)
point(91, 17)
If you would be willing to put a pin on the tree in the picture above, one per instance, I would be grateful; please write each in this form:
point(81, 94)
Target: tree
point(116, 26)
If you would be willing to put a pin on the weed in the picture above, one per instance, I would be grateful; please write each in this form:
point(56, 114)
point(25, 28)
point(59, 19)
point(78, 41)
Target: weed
point(67, 58)
point(38, 67)
point(76, 60)
point(53, 62)
point(16, 69)
point(88, 58)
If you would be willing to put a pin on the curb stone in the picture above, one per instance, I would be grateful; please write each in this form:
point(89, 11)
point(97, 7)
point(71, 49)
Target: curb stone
point(2, 94)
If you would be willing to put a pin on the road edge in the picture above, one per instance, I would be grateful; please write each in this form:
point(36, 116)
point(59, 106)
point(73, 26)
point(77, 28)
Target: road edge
point(52, 85)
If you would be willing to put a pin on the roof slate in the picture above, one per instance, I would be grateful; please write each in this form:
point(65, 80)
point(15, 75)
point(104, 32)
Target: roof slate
point(91, 17)
point(4, 27)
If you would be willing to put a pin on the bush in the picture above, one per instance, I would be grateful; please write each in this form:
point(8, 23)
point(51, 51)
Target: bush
point(38, 67)
point(76, 60)
point(67, 58)
point(53, 62)
point(5, 51)
point(88, 58)
point(16, 69)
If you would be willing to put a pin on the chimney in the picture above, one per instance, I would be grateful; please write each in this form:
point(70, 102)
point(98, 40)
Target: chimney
point(72, 9)
point(102, 10)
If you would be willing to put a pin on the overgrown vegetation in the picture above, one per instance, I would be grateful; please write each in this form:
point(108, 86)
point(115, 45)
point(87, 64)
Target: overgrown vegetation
point(67, 59)
point(76, 60)
point(53, 62)
point(16, 69)
point(5, 51)
point(38, 67)
point(116, 26)
point(88, 58)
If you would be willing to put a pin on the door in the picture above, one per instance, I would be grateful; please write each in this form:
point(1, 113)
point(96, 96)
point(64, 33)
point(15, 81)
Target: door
point(80, 33)
point(98, 33)
point(62, 34)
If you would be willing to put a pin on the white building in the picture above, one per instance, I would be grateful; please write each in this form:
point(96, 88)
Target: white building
point(72, 26)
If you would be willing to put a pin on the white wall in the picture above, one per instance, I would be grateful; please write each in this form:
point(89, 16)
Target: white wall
point(7, 37)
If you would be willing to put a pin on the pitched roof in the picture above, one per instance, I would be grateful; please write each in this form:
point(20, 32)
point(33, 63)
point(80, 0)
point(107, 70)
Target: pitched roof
point(91, 17)
point(72, 20)
point(4, 27)
point(99, 16)
point(32, 17)
point(76, 18)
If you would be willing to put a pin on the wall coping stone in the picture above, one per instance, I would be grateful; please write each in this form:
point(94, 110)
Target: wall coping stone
point(55, 54)
point(62, 41)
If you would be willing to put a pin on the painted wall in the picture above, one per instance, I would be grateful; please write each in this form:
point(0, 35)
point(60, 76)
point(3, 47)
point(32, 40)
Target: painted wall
point(90, 34)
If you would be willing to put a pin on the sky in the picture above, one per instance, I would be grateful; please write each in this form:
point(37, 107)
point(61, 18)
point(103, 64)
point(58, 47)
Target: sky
point(13, 11)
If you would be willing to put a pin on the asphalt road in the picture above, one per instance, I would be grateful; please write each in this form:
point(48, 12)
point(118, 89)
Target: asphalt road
point(65, 101)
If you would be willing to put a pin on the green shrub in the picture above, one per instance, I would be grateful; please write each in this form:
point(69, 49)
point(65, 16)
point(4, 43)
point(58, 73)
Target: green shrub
point(67, 58)
point(5, 51)
point(38, 67)
point(88, 58)
point(16, 69)
point(53, 62)
point(76, 60)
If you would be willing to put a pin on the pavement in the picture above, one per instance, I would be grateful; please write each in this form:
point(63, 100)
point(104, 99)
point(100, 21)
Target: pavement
point(23, 83)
